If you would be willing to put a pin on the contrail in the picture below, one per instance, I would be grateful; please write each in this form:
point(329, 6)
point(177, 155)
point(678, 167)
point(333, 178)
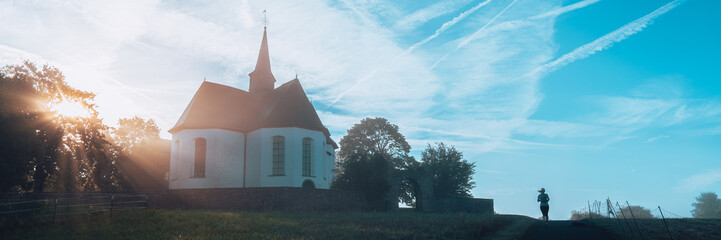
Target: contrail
point(466, 40)
point(448, 25)
point(565, 9)
point(373, 73)
point(515, 24)
point(443, 28)
point(605, 41)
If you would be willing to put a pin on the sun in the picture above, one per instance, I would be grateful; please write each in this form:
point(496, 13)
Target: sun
point(70, 109)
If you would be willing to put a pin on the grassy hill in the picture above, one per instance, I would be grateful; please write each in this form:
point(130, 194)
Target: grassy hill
point(206, 224)
point(678, 228)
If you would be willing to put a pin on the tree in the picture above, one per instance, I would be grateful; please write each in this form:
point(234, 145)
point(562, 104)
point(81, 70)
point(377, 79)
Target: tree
point(638, 212)
point(376, 135)
point(41, 148)
point(577, 215)
point(100, 159)
point(367, 174)
point(707, 205)
point(452, 175)
point(136, 131)
point(16, 133)
point(46, 150)
point(27, 93)
point(148, 156)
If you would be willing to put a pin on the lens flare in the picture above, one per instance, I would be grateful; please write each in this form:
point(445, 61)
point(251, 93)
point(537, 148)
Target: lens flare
point(70, 109)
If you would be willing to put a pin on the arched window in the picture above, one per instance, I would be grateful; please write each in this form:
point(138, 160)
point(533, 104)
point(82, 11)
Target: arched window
point(278, 155)
point(200, 154)
point(307, 147)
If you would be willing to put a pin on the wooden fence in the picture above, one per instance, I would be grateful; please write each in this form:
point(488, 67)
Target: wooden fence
point(58, 205)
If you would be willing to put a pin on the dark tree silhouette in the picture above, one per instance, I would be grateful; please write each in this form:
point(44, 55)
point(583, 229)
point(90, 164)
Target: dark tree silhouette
point(452, 175)
point(638, 212)
point(577, 215)
point(27, 92)
point(376, 135)
point(707, 205)
point(16, 129)
point(367, 174)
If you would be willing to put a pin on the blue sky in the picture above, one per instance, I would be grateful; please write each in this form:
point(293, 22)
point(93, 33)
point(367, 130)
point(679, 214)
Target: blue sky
point(589, 99)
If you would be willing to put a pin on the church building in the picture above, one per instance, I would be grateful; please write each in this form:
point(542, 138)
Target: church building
point(263, 137)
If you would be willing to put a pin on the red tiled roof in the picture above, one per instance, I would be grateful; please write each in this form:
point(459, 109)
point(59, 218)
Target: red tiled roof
point(223, 107)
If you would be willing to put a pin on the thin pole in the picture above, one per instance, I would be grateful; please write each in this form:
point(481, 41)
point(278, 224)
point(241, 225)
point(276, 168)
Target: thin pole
point(610, 205)
point(634, 220)
point(589, 209)
point(664, 223)
point(624, 218)
point(609, 208)
point(55, 208)
point(112, 199)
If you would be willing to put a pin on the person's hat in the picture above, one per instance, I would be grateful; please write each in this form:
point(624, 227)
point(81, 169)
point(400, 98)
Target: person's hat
point(542, 190)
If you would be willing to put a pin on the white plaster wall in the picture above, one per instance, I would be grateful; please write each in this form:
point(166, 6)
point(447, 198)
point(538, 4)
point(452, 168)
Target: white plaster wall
point(329, 162)
point(224, 159)
point(262, 142)
point(254, 155)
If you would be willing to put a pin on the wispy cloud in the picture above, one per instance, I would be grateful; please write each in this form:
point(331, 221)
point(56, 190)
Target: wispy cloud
point(464, 41)
point(365, 16)
point(607, 40)
point(410, 49)
point(565, 9)
point(635, 112)
point(656, 138)
point(448, 25)
point(558, 129)
point(660, 104)
point(11, 54)
point(518, 23)
point(699, 181)
point(422, 16)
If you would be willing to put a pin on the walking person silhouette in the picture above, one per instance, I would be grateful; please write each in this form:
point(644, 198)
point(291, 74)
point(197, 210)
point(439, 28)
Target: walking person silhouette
point(543, 198)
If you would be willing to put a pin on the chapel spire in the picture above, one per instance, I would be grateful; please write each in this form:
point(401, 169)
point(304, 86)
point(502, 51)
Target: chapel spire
point(262, 79)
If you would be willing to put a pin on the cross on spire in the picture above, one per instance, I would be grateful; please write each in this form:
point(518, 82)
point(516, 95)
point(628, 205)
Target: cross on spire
point(265, 19)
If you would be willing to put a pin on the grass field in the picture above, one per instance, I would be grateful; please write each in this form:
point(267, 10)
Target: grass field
point(678, 228)
point(207, 224)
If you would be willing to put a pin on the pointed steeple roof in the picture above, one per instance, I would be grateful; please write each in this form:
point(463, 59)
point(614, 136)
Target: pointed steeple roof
point(262, 79)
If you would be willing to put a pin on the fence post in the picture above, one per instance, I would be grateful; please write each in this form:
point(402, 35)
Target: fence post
point(55, 208)
point(664, 223)
point(112, 199)
point(624, 218)
point(610, 210)
point(589, 209)
point(634, 220)
point(610, 204)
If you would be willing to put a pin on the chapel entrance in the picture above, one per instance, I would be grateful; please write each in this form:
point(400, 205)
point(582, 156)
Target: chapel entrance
point(418, 184)
point(308, 184)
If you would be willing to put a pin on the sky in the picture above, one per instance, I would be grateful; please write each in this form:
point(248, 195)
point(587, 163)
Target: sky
point(590, 99)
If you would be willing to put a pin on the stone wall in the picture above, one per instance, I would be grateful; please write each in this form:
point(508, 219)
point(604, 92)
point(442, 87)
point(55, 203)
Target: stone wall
point(278, 198)
point(472, 205)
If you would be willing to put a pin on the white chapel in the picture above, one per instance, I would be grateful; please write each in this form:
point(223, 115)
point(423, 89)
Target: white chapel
point(263, 137)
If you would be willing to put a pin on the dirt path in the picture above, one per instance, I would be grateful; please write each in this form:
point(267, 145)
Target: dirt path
point(565, 230)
